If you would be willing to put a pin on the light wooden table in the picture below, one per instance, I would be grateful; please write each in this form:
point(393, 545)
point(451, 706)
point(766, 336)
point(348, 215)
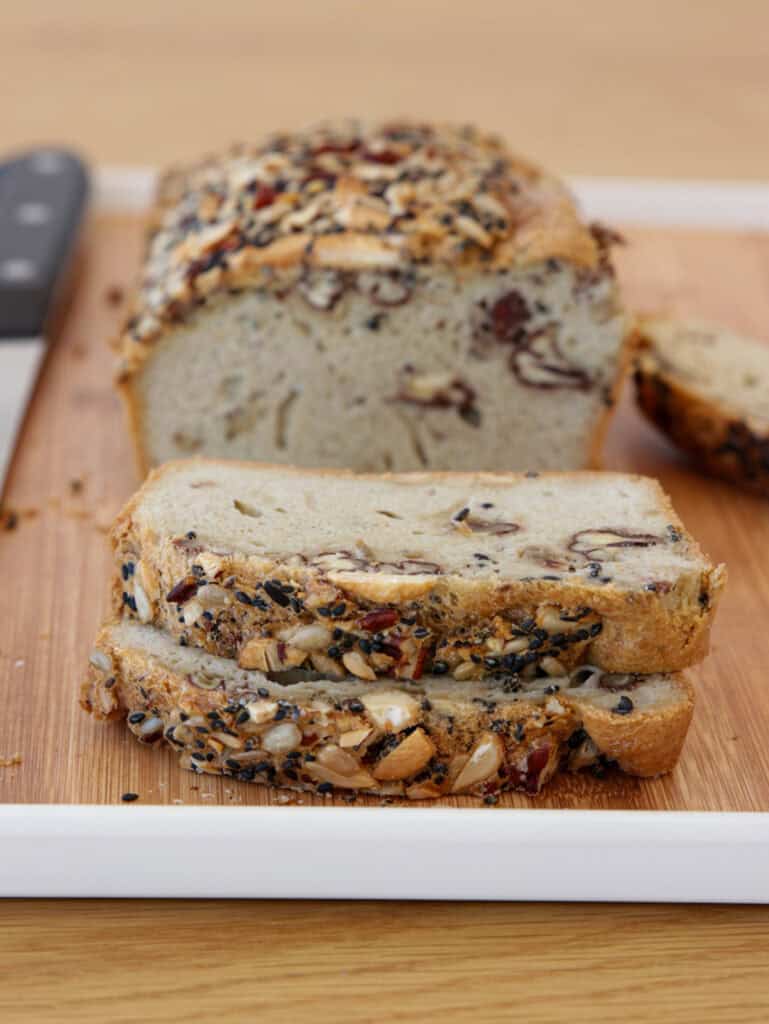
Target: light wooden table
point(597, 87)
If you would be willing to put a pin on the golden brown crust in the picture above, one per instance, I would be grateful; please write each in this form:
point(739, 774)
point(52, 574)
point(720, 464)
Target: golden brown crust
point(406, 741)
point(637, 630)
point(723, 441)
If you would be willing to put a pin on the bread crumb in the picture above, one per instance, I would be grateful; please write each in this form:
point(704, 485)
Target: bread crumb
point(114, 295)
point(10, 762)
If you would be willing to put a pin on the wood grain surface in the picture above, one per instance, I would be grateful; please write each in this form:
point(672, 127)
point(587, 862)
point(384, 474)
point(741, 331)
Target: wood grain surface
point(281, 963)
point(661, 88)
point(74, 469)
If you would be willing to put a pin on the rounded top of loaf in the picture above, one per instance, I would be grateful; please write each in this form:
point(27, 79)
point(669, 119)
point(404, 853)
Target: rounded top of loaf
point(352, 197)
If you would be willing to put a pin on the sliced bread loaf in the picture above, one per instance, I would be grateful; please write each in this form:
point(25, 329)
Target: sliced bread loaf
point(399, 297)
point(707, 388)
point(419, 740)
point(467, 574)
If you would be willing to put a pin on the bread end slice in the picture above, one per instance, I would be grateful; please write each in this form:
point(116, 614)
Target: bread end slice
point(419, 740)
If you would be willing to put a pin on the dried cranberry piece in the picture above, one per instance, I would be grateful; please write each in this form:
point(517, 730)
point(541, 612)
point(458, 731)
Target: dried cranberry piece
point(508, 315)
point(384, 156)
point(183, 591)
point(535, 766)
point(265, 195)
point(381, 618)
point(336, 147)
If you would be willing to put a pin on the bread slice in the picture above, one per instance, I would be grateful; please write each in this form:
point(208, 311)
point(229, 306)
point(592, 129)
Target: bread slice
point(412, 574)
point(401, 296)
point(707, 388)
point(419, 740)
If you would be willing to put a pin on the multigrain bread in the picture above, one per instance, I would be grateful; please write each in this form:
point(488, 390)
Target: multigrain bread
point(385, 298)
point(405, 575)
point(707, 388)
point(420, 740)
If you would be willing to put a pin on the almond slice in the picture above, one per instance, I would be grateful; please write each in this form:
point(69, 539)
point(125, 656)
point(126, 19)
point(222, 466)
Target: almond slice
point(408, 758)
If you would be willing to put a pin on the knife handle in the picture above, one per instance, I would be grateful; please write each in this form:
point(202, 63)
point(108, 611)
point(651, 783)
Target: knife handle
point(42, 200)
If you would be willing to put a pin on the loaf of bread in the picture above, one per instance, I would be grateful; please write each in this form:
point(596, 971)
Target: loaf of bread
point(461, 574)
point(391, 298)
point(419, 740)
point(707, 388)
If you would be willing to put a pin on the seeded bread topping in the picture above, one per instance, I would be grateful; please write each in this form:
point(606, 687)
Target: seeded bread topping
point(707, 388)
point(419, 740)
point(351, 197)
point(403, 576)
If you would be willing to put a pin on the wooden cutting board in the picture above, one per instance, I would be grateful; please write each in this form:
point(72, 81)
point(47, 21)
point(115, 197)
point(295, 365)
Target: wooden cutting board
point(73, 470)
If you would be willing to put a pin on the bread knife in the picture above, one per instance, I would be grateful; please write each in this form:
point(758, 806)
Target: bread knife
point(42, 201)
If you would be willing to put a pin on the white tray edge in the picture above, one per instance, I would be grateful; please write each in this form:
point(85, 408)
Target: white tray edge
point(406, 853)
point(632, 201)
point(383, 853)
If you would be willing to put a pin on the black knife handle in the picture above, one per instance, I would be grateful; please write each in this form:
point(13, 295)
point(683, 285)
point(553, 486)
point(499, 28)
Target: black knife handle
point(42, 200)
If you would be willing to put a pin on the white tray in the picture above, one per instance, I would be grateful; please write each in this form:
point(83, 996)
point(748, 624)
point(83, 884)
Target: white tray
point(406, 853)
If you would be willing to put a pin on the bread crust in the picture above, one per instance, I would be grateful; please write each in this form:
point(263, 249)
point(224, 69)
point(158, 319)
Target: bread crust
point(723, 440)
point(649, 630)
point(406, 741)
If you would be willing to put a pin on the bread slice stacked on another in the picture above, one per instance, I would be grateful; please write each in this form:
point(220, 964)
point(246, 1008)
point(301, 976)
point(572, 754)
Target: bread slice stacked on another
point(416, 634)
point(392, 297)
point(707, 388)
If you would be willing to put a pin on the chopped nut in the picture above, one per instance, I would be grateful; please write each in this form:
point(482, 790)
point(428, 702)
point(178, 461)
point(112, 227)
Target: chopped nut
point(314, 637)
point(281, 738)
point(143, 606)
point(391, 710)
point(360, 780)
point(408, 758)
point(484, 762)
point(354, 737)
point(464, 670)
point(101, 661)
point(327, 666)
point(354, 662)
point(552, 666)
point(337, 760)
point(262, 711)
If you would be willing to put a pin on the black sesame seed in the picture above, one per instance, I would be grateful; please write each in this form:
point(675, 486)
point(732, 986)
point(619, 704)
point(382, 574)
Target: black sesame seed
point(197, 756)
point(276, 592)
point(191, 535)
point(440, 668)
point(232, 764)
point(325, 612)
point(487, 504)
point(365, 645)
point(242, 716)
point(491, 799)
point(462, 514)
point(535, 643)
point(596, 628)
point(356, 705)
point(129, 798)
point(242, 597)
point(280, 714)
point(338, 610)
point(333, 651)
point(263, 691)
point(581, 634)
point(136, 717)
point(623, 706)
point(324, 787)
point(420, 632)
point(519, 732)
point(552, 688)
point(426, 705)
point(577, 738)
point(296, 604)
